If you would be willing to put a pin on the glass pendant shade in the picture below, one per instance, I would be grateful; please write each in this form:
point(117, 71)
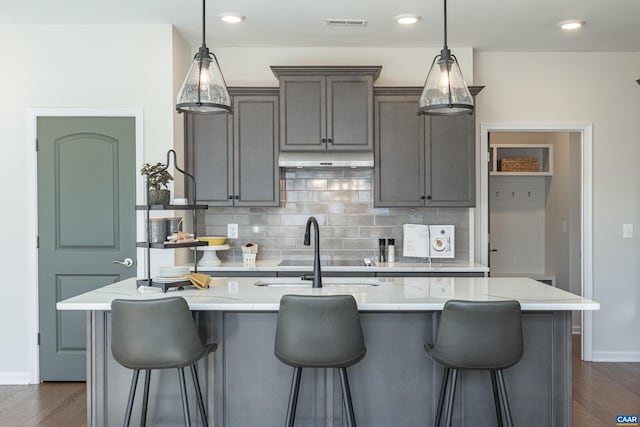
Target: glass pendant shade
point(445, 92)
point(204, 89)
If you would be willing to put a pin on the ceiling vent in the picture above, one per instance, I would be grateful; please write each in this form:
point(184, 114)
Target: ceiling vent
point(346, 22)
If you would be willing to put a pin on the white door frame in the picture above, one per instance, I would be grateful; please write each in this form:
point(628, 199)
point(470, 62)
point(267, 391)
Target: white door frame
point(32, 206)
point(586, 210)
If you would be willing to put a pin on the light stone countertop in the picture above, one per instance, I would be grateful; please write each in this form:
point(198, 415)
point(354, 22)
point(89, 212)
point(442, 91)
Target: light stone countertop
point(391, 294)
point(395, 267)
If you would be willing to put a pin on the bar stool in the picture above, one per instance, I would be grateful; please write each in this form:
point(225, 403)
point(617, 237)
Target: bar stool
point(157, 334)
point(319, 332)
point(477, 335)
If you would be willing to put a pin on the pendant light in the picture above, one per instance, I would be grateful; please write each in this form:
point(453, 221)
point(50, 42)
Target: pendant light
point(204, 90)
point(445, 92)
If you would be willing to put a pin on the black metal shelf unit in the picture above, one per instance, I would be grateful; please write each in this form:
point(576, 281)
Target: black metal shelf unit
point(148, 281)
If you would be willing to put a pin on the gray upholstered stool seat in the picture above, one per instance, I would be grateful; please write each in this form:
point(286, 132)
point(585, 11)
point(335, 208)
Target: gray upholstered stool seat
point(477, 335)
point(157, 334)
point(319, 332)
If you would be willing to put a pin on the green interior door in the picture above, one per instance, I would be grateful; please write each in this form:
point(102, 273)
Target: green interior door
point(86, 220)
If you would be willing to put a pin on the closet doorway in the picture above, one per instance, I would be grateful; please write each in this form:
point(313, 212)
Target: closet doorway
point(537, 199)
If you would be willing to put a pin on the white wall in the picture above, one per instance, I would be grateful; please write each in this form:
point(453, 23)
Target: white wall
point(400, 67)
point(586, 87)
point(81, 66)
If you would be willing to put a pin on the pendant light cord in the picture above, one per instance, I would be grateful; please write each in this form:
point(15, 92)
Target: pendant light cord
point(203, 23)
point(445, 24)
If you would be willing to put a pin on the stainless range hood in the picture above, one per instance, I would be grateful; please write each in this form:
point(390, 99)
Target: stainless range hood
point(325, 160)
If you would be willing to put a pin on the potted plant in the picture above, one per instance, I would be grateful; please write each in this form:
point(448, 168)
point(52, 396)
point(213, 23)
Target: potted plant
point(157, 177)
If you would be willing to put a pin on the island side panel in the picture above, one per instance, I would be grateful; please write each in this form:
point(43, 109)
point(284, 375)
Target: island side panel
point(244, 384)
point(539, 385)
point(109, 384)
point(394, 384)
point(252, 385)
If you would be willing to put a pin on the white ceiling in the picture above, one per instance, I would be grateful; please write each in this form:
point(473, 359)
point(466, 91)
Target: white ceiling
point(488, 25)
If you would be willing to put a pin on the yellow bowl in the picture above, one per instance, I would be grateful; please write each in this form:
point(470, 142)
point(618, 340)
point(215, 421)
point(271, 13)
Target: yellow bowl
point(213, 240)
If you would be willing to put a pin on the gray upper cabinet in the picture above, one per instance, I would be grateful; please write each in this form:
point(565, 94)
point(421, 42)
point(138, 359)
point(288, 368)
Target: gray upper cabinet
point(450, 161)
point(234, 158)
point(209, 157)
point(399, 170)
point(422, 160)
point(326, 108)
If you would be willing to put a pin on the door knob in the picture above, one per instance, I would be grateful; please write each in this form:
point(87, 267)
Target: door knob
point(128, 262)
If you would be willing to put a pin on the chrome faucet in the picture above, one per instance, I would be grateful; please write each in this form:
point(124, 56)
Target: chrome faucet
point(317, 275)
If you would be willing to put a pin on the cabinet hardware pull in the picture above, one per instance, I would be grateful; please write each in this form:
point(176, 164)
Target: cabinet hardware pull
point(323, 140)
point(429, 197)
point(230, 197)
point(422, 197)
point(330, 141)
point(236, 197)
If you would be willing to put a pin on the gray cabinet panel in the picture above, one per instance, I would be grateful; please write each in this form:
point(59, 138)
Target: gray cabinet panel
point(209, 156)
point(255, 142)
point(332, 111)
point(234, 157)
point(256, 384)
point(440, 174)
point(399, 168)
point(303, 113)
point(451, 160)
point(350, 113)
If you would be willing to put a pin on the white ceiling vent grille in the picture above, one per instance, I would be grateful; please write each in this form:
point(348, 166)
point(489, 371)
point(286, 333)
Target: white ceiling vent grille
point(333, 22)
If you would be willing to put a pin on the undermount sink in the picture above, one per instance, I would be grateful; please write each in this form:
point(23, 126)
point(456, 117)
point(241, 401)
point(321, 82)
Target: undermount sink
point(326, 282)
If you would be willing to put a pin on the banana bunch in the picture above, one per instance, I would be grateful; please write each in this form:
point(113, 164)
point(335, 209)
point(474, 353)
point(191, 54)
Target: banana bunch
point(200, 281)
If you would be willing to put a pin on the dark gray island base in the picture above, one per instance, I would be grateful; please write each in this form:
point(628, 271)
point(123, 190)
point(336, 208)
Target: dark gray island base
point(394, 385)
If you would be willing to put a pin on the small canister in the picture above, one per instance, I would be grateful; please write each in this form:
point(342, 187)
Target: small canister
point(382, 255)
point(158, 232)
point(391, 250)
point(174, 225)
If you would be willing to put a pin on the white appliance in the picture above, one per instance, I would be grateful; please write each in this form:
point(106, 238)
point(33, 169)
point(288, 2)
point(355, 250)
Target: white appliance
point(442, 241)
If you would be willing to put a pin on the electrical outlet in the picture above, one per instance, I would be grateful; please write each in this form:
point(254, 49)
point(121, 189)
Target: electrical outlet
point(232, 231)
point(627, 231)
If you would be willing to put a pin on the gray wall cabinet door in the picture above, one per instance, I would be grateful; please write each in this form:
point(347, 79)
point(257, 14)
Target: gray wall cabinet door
point(450, 161)
point(399, 165)
point(303, 117)
point(319, 112)
point(255, 146)
point(234, 157)
point(350, 113)
point(209, 157)
point(422, 161)
point(86, 220)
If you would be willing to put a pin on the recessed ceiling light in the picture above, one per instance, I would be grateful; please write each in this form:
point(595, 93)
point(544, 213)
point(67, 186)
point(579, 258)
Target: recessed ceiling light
point(231, 18)
point(572, 24)
point(407, 19)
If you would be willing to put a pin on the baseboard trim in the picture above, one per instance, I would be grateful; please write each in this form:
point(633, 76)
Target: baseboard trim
point(14, 378)
point(616, 356)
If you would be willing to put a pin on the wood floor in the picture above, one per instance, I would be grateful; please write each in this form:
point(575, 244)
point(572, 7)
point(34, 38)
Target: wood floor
point(600, 392)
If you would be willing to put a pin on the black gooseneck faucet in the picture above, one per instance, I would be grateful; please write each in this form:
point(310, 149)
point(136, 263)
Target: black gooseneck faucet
point(317, 275)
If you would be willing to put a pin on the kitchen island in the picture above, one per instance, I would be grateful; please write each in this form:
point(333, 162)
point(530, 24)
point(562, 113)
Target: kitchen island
point(395, 384)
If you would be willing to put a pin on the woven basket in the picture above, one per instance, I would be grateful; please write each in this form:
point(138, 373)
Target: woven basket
point(518, 165)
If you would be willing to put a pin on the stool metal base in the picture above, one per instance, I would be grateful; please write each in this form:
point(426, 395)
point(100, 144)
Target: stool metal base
point(448, 391)
point(295, 389)
point(183, 393)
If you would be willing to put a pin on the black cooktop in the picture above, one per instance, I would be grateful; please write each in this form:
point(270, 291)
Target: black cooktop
point(331, 263)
